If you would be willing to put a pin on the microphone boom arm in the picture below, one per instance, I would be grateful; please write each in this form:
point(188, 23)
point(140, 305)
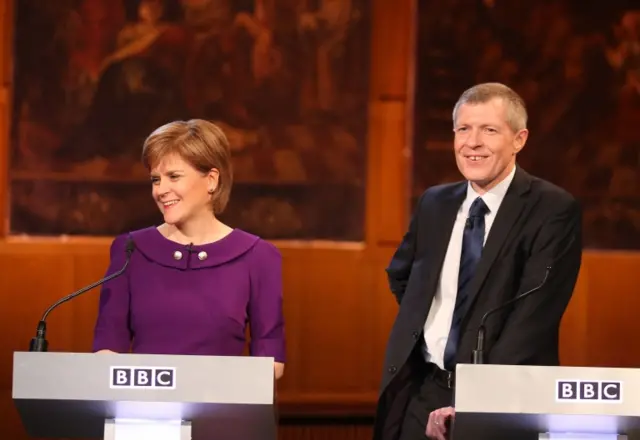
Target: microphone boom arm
point(478, 353)
point(39, 343)
point(84, 289)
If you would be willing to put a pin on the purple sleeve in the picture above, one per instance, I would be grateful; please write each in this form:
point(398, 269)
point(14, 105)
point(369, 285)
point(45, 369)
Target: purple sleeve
point(265, 308)
point(112, 326)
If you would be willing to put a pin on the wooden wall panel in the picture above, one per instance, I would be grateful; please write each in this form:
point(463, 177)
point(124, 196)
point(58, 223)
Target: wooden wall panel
point(27, 289)
point(612, 309)
point(325, 315)
point(573, 331)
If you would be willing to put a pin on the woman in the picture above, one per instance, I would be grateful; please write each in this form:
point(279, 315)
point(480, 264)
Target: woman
point(193, 283)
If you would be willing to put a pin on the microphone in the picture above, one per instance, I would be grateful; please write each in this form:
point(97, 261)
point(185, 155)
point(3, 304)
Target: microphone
point(189, 252)
point(39, 343)
point(478, 353)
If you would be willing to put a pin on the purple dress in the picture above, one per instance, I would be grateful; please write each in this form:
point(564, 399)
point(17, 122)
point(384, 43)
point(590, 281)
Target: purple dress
point(198, 300)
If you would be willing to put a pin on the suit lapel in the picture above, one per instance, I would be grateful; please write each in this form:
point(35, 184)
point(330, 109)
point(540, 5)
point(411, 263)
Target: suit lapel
point(510, 210)
point(440, 227)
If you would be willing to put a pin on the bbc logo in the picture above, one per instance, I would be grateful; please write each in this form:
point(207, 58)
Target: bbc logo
point(143, 377)
point(588, 391)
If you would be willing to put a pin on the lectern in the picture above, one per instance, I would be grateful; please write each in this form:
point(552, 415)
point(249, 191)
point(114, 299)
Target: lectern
point(530, 402)
point(131, 396)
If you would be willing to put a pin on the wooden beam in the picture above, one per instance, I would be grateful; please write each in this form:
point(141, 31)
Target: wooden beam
point(390, 112)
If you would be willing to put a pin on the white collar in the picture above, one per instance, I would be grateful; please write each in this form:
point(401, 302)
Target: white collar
point(493, 197)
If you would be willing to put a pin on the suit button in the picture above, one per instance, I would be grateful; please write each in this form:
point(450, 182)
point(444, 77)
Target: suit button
point(415, 335)
point(392, 369)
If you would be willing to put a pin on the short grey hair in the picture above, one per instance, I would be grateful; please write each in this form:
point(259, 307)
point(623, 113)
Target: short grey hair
point(485, 92)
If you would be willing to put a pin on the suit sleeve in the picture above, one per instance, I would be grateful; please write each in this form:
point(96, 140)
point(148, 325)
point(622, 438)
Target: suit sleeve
point(266, 319)
point(399, 268)
point(112, 331)
point(536, 319)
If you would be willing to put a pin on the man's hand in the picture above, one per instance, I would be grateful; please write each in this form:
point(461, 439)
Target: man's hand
point(436, 428)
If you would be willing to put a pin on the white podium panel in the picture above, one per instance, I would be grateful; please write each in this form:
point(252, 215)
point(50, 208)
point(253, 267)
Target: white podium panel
point(126, 396)
point(531, 402)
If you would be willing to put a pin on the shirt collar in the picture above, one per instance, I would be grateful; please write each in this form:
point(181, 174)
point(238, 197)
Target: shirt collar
point(493, 198)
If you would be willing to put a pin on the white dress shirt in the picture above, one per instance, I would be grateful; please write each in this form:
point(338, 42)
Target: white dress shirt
point(438, 324)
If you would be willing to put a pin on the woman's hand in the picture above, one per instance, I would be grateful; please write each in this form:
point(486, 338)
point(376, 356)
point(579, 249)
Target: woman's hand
point(106, 351)
point(278, 368)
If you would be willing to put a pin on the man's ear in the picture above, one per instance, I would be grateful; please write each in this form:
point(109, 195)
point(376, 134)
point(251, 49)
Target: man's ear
point(520, 140)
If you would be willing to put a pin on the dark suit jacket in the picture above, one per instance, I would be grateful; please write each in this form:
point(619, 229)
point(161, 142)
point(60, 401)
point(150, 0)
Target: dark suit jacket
point(537, 225)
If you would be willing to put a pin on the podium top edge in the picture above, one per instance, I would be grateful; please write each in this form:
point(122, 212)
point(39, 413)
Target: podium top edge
point(533, 368)
point(22, 354)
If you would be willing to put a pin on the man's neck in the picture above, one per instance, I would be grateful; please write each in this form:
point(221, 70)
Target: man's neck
point(484, 187)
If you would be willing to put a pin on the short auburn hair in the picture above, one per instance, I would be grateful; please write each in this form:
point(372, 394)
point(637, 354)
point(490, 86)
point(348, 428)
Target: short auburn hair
point(485, 92)
point(200, 143)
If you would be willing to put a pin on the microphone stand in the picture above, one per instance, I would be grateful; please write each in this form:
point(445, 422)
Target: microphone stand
point(478, 353)
point(40, 343)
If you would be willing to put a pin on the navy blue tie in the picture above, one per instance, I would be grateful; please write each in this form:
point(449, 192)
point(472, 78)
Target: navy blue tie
point(472, 244)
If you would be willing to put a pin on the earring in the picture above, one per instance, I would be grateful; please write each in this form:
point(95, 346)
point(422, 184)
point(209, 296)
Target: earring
point(211, 191)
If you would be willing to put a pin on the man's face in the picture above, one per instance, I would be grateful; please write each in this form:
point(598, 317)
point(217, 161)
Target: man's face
point(484, 143)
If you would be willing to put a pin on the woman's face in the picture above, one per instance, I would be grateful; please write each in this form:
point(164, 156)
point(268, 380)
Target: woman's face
point(181, 191)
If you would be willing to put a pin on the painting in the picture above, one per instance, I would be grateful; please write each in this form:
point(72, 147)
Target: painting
point(578, 68)
point(285, 79)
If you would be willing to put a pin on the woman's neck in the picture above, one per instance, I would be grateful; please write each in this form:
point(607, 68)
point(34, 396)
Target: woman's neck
point(196, 231)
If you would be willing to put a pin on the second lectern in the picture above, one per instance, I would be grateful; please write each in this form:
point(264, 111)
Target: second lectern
point(507, 402)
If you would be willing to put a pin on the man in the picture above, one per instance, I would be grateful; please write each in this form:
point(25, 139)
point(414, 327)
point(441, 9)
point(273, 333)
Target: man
point(470, 247)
